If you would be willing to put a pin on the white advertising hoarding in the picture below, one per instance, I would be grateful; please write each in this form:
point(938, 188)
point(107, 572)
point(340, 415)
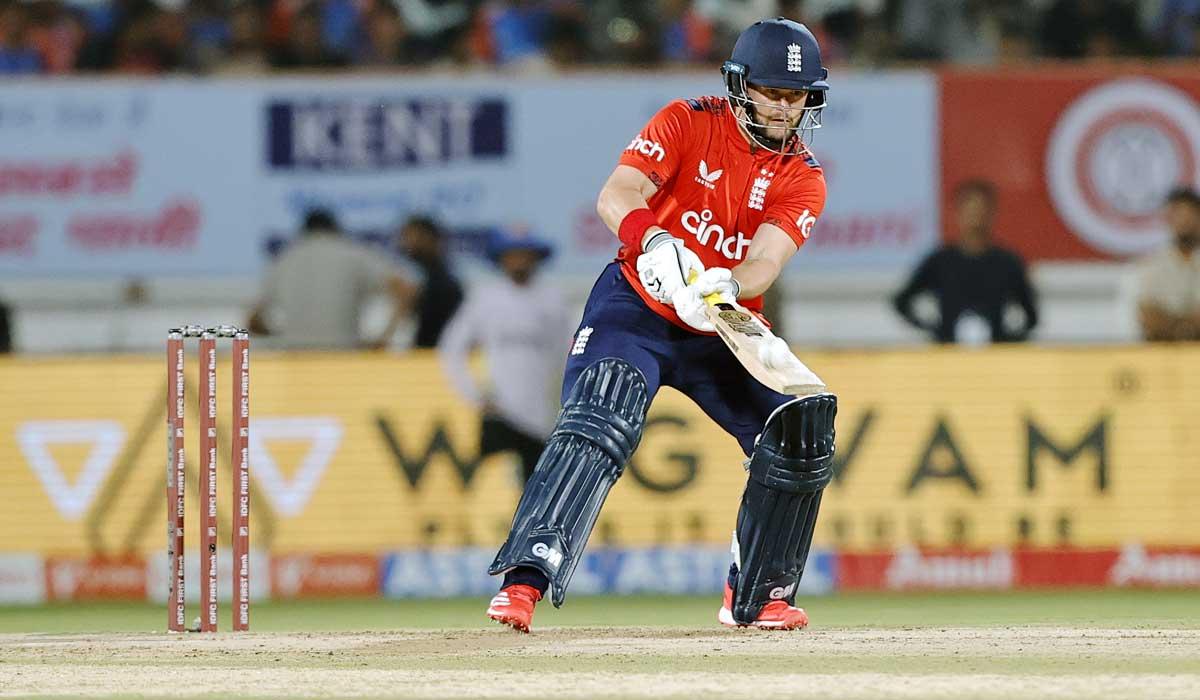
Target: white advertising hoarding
point(205, 177)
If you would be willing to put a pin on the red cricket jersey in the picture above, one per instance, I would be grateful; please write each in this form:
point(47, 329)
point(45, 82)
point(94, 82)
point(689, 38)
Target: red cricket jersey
point(714, 188)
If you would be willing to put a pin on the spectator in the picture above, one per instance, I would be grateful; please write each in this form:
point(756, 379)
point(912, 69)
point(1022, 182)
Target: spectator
point(1169, 280)
point(246, 54)
point(687, 35)
point(964, 32)
point(522, 327)
point(57, 32)
point(6, 345)
point(17, 54)
point(305, 45)
point(1091, 29)
point(421, 239)
point(625, 31)
point(974, 281)
point(566, 39)
point(208, 32)
point(1178, 27)
point(314, 292)
point(518, 31)
point(437, 28)
point(386, 38)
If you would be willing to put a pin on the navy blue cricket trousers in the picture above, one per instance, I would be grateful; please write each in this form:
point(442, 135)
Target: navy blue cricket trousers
point(699, 366)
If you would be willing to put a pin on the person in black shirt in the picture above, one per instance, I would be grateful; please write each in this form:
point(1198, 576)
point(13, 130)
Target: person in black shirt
point(5, 332)
point(974, 281)
point(440, 296)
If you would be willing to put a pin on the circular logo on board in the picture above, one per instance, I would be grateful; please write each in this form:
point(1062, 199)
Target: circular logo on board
point(1113, 156)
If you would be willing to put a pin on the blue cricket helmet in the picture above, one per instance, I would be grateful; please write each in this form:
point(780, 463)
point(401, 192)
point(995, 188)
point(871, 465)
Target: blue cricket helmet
point(777, 53)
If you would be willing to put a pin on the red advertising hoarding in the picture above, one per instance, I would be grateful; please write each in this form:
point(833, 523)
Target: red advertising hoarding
point(1081, 157)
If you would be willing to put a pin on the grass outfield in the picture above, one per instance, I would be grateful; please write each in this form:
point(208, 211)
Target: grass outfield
point(1087, 608)
point(1083, 644)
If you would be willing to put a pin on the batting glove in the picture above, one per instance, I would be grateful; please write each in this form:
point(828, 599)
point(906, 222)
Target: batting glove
point(665, 267)
point(690, 305)
point(717, 280)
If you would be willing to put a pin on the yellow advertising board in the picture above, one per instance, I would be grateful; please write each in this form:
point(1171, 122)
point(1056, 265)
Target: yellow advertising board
point(373, 452)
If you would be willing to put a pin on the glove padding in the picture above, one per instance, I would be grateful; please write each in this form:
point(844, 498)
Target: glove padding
point(689, 304)
point(665, 268)
point(689, 301)
point(717, 280)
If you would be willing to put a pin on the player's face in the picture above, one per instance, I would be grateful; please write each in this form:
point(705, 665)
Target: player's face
point(777, 110)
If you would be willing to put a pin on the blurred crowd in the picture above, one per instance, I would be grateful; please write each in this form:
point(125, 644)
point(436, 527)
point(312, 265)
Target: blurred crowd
point(256, 36)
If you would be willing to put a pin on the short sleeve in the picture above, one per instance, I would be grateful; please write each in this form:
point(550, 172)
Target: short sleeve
point(796, 208)
point(659, 146)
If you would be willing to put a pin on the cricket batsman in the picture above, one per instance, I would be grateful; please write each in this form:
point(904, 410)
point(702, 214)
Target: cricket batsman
point(723, 188)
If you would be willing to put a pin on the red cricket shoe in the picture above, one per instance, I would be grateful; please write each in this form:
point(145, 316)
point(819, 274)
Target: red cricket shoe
point(777, 615)
point(513, 606)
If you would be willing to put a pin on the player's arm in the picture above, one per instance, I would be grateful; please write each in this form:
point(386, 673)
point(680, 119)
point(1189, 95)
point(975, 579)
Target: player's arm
point(787, 223)
point(769, 251)
point(460, 337)
point(663, 262)
point(627, 190)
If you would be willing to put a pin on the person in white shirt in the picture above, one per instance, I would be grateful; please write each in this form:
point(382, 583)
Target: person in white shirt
point(314, 292)
point(1169, 279)
point(522, 327)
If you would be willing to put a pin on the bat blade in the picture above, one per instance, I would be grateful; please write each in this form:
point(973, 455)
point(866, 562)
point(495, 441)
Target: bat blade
point(758, 350)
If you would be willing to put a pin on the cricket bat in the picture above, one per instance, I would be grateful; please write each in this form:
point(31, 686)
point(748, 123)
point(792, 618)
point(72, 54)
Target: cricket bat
point(764, 355)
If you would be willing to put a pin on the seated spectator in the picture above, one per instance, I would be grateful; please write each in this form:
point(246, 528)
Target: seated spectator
point(17, 54)
point(974, 281)
point(305, 46)
point(1091, 29)
point(386, 38)
point(1169, 280)
point(315, 291)
point(246, 53)
point(57, 32)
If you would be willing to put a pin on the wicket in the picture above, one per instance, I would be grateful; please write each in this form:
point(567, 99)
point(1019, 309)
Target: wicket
point(177, 473)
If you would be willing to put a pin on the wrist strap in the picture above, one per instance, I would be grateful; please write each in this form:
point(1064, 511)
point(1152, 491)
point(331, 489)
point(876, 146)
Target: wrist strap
point(634, 226)
point(656, 240)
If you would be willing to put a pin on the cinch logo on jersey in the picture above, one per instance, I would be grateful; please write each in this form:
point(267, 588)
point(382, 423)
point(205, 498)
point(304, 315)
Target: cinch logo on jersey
point(805, 222)
point(732, 247)
point(708, 179)
point(646, 148)
point(758, 192)
point(553, 557)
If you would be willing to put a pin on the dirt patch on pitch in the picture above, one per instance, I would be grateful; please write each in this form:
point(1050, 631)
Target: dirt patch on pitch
point(611, 663)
